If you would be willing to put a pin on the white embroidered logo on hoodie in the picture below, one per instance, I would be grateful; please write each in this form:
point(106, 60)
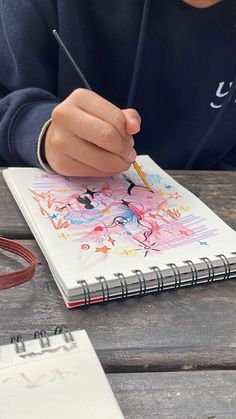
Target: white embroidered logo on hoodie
point(221, 92)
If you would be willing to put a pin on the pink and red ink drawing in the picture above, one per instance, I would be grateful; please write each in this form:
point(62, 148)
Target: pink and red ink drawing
point(119, 215)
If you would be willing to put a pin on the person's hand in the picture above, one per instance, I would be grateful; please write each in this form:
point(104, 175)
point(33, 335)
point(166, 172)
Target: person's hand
point(90, 136)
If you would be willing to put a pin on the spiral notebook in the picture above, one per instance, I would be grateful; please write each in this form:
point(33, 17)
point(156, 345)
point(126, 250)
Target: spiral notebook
point(112, 238)
point(54, 377)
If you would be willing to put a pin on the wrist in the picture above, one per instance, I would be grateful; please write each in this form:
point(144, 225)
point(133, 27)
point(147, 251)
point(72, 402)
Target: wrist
point(41, 147)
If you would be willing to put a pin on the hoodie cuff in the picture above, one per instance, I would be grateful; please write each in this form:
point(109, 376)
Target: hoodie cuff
point(44, 165)
point(26, 130)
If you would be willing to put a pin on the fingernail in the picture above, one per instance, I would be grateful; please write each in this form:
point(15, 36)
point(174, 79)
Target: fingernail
point(137, 120)
point(132, 156)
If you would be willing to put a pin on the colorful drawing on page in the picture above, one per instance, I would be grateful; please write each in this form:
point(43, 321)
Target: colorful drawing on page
point(119, 215)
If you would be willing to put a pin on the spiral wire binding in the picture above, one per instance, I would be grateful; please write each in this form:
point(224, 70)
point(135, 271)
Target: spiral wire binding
point(226, 265)
point(86, 291)
point(142, 281)
point(66, 333)
point(210, 268)
point(159, 278)
point(143, 284)
point(18, 341)
point(43, 338)
point(105, 289)
point(123, 284)
point(177, 274)
point(193, 271)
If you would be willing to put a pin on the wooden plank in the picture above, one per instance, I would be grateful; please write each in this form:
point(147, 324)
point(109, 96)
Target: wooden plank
point(216, 189)
point(185, 358)
point(192, 395)
point(184, 329)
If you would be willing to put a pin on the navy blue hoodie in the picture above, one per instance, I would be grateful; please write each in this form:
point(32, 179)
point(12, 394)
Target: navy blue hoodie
point(183, 74)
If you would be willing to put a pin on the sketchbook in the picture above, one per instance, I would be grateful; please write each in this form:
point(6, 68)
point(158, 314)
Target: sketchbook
point(112, 238)
point(54, 377)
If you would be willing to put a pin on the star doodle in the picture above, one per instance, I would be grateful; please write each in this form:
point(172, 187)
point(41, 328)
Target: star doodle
point(168, 186)
point(103, 249)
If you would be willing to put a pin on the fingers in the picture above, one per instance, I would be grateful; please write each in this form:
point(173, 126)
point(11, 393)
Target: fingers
point(90, 136)
point(95, 105)
point(89, 153)
point(72, 167)
point(133, 121)
point(94, 130)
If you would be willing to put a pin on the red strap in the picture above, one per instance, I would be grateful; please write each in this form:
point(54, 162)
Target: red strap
point(11, 279)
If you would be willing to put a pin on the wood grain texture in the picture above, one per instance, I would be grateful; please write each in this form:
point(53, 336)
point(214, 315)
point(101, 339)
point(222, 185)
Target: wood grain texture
point(192, 395)
point(178, 330)
point(143, 338)
point(216, 189)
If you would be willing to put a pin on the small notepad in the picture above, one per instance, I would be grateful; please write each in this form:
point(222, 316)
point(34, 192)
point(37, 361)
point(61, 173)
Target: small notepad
point(108, 238)
point(54, 378)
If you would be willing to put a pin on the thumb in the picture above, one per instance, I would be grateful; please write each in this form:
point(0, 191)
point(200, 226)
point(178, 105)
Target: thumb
point(133, 121)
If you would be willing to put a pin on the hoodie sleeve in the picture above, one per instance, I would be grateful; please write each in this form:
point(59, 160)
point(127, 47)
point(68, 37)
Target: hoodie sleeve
point(28, 80)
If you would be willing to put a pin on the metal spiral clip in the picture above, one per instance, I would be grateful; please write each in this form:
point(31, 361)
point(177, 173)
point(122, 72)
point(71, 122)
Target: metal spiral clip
point(18, 341)
point(123, 284)
point(43, 338)
point(159, 278)
point(226, 266)
point(210, 268)
point(86, 291)
point(105, 289)
point(193, 270)
point(142, 281)
point(65, 331)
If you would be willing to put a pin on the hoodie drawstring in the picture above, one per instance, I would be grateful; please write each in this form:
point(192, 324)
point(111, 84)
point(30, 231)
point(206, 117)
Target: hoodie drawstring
point(138, 55)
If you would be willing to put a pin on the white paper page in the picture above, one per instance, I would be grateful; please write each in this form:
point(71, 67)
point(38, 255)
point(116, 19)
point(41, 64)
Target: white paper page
point(94, 227)
point(61, 381)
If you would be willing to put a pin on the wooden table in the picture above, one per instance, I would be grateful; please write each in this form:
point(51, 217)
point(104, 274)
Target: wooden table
point(171, 355)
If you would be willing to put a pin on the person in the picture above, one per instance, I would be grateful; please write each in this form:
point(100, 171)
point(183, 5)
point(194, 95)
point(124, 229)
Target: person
point(170, 62)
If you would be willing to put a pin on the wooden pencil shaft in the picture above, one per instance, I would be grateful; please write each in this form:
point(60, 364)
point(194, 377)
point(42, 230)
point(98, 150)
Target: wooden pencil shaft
point(142, 175)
